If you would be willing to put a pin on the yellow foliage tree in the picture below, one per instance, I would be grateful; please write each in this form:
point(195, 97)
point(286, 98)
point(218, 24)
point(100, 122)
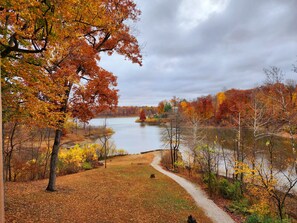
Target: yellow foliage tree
point(221, 97)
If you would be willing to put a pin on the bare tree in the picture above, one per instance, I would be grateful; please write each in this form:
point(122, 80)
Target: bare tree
point(193, 135)
point(172, 134)
point(104, 137)
point(284, 107)
point(257, 120)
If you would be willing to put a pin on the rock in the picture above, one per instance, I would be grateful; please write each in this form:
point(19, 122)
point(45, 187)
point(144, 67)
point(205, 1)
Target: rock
point(152, 176)
point(191, 219)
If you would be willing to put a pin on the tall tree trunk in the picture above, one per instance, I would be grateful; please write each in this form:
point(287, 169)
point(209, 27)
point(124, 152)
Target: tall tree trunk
point(58, 134)
point(53, 163)
point(9, 156)
point(238, 143)
point(1, 161)
point(47, 152)
point(9, 166)
point(171, 146)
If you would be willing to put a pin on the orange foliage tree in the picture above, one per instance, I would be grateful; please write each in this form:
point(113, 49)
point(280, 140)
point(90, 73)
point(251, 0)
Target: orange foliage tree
point(61, 41)
point(91, 87)
point(142, 116)
point(161, 108)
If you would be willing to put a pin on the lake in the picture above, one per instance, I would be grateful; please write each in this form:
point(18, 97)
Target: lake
point(131, 136)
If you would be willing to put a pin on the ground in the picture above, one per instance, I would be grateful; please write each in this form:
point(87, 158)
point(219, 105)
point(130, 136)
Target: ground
point(124, 192)
point(209, 207)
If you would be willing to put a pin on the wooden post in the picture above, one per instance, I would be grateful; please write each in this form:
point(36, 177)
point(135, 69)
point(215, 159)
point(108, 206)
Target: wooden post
point(1, 160)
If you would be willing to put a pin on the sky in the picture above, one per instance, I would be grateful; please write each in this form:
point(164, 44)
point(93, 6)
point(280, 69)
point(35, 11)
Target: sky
point(193, 48)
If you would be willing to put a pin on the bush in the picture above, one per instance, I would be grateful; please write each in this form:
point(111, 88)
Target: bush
point(72, 160)
point(254, 218)
point(212, 182)
point(230, 190)
point(240, 207)
point(87, 166)
point(166, 160)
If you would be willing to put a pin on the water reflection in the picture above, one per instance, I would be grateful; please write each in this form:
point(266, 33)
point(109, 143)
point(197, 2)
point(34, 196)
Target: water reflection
point(226, 138)
point(224, 142)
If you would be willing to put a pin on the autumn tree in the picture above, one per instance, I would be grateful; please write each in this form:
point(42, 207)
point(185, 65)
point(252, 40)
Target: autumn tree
point(271, 111)
point(221, 97)
point(268, 184)
point(204, 108)
point(25, 29)
point(161, 108)
point(74, 36)
point(108, 34)
point(142, 116)
point(25, 26)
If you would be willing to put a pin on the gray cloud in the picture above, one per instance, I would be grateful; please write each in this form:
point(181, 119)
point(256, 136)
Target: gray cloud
point(228, 49)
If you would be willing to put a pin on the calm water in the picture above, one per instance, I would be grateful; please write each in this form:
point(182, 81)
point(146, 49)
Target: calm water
point(131, 136)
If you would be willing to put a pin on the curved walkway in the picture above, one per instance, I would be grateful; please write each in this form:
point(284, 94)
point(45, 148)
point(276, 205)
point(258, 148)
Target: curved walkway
point(215, 213)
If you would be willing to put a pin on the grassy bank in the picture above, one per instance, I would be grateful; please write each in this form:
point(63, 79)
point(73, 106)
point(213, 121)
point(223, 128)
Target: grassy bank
point(123, 192)
point(153, 121)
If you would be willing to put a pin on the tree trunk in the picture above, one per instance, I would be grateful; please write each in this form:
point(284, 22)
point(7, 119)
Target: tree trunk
point(58, 134)
point(171, 146)
point(105, 153)
point(1, 163)
point(47, 152)
point(9, 166)
point(53, 163)
point(11, 151)
point(238, 144)
point(280, 210)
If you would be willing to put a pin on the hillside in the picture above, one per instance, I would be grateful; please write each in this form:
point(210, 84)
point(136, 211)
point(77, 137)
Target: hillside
point(123, 192)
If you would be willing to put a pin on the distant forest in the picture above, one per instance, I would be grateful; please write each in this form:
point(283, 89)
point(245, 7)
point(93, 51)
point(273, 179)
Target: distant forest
point(129, 111)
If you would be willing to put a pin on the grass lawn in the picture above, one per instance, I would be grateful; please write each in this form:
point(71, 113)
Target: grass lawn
point(123, 192)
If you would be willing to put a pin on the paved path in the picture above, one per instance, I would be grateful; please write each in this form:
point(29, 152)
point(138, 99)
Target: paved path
point(208, 206)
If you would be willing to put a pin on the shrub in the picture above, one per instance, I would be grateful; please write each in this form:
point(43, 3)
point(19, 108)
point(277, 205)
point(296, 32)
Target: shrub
point(87, 166)
point(254, 218)
point(212, 182)
point(230, 190)
point(72, 160)
point(89, 153)
point(166, 160)
point(240, 206)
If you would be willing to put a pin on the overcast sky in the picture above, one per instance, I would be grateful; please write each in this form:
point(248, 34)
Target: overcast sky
point(199, 47)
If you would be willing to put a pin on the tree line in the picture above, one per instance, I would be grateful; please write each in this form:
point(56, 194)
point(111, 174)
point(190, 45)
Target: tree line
point(128, 111)
point(256, 119)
